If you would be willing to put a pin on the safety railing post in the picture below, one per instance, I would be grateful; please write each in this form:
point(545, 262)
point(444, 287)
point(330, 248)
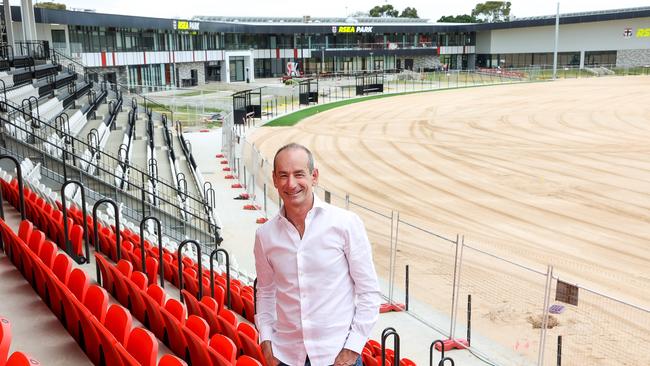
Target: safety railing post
point(64, 209)
point(227, 256)
point(180, 266)
point(118, 243)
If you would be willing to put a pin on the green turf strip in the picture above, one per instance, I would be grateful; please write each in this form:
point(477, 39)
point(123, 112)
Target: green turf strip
point(295, 117)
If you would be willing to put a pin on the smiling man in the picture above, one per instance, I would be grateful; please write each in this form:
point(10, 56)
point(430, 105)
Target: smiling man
point(317, 291)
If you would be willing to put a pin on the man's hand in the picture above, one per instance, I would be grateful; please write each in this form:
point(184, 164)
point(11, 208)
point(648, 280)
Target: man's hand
point(346, 358)
point(267, 351)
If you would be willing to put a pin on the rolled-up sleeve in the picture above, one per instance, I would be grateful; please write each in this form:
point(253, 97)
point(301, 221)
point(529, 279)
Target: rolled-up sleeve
point(266, 314)
point(366, 287)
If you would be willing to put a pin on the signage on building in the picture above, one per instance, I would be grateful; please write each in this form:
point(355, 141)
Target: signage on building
point(643, 33)
point(351, 29)
point(627, 33)
point(185, 25)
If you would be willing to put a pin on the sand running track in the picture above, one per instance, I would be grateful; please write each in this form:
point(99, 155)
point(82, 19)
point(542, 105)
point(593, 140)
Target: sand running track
point(545, 173)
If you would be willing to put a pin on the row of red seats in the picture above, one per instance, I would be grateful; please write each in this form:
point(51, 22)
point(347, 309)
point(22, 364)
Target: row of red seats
point(242, 298)
point(190, 336)
point(17, 358)
point(107, 236)
point(372, 353)
point(103, 332)
point(48, 218)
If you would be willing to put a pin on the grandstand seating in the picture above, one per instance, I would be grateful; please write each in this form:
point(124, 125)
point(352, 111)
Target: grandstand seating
point(205, 331)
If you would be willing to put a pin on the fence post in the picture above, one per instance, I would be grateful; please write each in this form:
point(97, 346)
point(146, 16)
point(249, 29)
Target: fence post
point(391, 265)
point(455, 284)
point(406, 288)
point(547, 295)
point(265, 211)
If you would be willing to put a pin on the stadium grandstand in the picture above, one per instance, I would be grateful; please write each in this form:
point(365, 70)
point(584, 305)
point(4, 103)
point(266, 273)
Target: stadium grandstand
point(112, 243)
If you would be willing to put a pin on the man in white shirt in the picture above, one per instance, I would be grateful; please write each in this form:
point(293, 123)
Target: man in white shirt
point(317, 290)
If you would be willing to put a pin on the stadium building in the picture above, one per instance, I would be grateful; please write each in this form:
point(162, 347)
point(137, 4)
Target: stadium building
point(147, 51)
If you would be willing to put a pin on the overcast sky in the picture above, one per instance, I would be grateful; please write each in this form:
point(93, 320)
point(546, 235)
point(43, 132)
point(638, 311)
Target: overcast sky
point(431, 9)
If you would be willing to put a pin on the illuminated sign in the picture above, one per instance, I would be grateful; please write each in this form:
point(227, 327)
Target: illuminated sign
point(185, 25)
point(643, 33)
point(351, 29)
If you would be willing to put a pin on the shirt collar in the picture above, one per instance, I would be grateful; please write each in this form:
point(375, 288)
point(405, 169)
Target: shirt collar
point(317, 205)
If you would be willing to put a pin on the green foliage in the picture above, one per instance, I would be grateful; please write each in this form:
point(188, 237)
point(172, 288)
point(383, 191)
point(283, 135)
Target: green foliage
point(492, 11)
point(50, 5)
point(465, 18)
point(386, 10)
point(409, 12)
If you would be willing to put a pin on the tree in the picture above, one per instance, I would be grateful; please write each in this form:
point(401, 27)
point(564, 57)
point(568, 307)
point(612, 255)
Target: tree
point(384, 11)
point(492, 11)
point(50, 5)
point(458, 19)
point(409, 12)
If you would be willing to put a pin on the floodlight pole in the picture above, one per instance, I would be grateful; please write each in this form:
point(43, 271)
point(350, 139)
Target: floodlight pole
point(557, 34)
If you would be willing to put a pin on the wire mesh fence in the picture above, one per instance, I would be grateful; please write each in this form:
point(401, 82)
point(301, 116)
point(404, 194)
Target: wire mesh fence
point(503, 307)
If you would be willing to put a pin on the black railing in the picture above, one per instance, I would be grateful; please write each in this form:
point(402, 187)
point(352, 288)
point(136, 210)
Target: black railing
point(57, 165)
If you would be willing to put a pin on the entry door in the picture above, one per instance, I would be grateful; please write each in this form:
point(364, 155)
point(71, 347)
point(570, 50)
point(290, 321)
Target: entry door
point(237, 70)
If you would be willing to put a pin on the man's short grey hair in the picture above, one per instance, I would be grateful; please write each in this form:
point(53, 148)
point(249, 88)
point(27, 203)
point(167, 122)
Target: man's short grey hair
point(293, 146)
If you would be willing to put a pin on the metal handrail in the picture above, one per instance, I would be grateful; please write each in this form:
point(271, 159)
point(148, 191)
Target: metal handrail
point(84, 145)
point(179, 256)
point(64, 208)
point(118, 243)
point(227, 256)
point(160, 248)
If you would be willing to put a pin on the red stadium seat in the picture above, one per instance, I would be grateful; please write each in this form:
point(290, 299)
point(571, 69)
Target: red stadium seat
point(406, 362)
point(177, 310)
point(106, 274)
point(25, 230)
point(228, 324)
point(249, 331)
point(248, 361)
point(21, 359)
point(76, 239)
point(78, 283)
point(173, 329)
point(157, 293)
point(199, 327)
point(62, 267)
point(125, 267)
point(140, 280)
point(171, 360)
point(250, 347)
point(225, 347)
point(209, 308)
point(153, 319)
point(5, 339)
point(96, 301)
point(47, 253)
point(118, 321)
point(143, 346)
point(249, 308)
point(192, 303)
point(152, 269)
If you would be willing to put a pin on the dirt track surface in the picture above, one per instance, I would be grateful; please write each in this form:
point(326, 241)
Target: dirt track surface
point(547, 173)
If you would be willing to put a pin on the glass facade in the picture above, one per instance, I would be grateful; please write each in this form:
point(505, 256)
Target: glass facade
point(112, 39)
point(521, 60)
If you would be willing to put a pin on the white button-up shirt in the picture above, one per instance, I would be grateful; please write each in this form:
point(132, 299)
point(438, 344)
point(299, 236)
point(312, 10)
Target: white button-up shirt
point(319, 294)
